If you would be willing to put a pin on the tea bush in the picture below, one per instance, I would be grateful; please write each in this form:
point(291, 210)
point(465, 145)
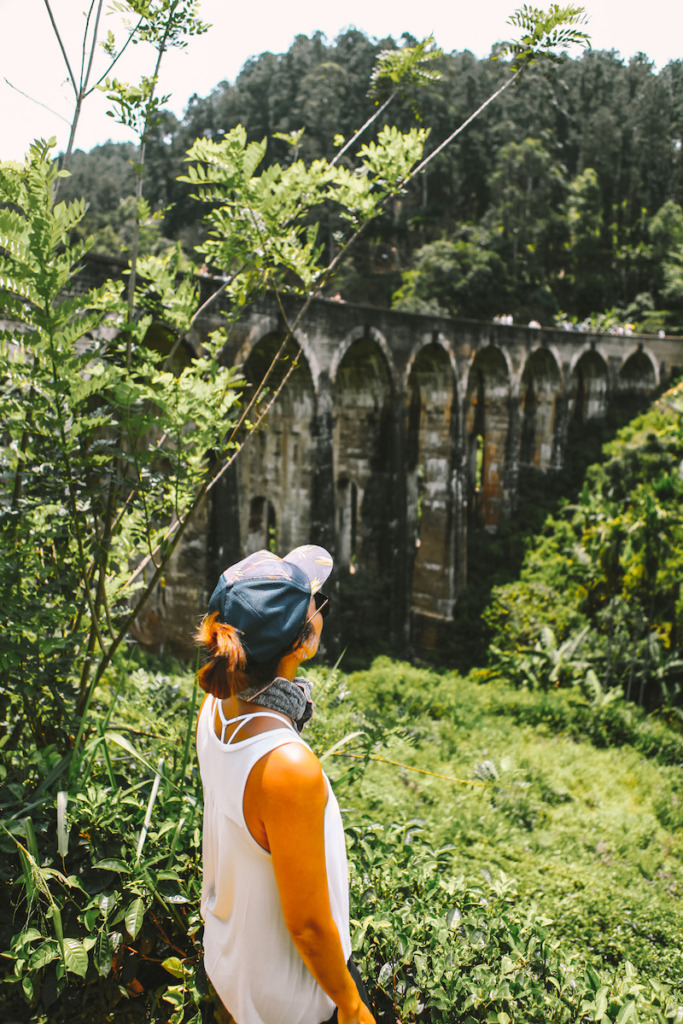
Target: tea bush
point(450, 788)
point(442, 949)
point(525, 783)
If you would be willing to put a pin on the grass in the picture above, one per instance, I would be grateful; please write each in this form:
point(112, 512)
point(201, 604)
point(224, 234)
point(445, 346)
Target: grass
point(554, 838)
point(589, 834)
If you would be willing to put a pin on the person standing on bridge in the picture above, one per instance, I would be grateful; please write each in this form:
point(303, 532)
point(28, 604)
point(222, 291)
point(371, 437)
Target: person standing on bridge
point(275, 888)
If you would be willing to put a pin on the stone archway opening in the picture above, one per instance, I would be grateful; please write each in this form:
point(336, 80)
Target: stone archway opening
point(347, 525)
point(487, 425)
point(366, 518)
point(281, 462)
point(636, 383)
point(262, 528)
point(540, 386)
point(479, 449)
point(588, 397)
point(161, 339)
point(431, 429)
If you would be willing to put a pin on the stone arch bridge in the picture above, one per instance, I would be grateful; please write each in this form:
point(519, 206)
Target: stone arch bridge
point(394, 435)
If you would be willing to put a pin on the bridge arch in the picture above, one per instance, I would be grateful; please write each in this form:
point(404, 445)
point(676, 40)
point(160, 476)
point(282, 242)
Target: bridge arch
point(282, 454)
point(271, 327)
point(437, 339)
point(540, 386)
point(366, 333)
point(431, 442)
point(588, 386)
point(639, 372)
point(487, 427)
point(364, 448)
point(161, 339)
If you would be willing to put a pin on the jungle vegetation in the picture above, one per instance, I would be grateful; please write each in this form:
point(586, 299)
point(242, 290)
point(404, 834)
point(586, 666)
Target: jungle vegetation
point(514, 836)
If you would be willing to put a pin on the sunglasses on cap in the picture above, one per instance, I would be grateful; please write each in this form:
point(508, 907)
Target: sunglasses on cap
point(322, 605)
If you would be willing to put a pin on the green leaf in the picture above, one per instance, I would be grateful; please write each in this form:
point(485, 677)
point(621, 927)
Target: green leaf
point(174, 966)
point(75, 957)
point(601, 1002)
point(102, 957)
point(44, 954)
point(125, 743)
point(134, 917)
point(110, 864)
point(627, 1013)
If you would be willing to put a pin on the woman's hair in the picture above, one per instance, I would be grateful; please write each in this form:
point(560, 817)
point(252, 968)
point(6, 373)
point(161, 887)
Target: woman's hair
point(229, 669)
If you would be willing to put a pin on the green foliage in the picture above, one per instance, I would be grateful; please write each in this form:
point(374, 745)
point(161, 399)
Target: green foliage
point(601, 240)
point(264, 227)
point(103, 444)
point(401, 70)
point(135, 105)
point(585, 247)
point(545, 32)
point(471, 781)
point(605, 575)
point(321, 88)
point(442, 948)
point(90, 935)
point(170, 21)
point(453, 278)
point(110, 442)
point(451, 790)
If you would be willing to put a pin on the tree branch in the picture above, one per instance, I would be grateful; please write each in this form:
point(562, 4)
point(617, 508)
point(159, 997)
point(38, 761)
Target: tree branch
point(360, 131)
point(61, 46)
point(427, 160)
point(34, 100)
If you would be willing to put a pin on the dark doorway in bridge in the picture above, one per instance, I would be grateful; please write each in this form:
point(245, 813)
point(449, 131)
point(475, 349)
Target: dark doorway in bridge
point(364, 446)
point(262, 531)
point(161, 339)
point(527, 444)
point(637, 382)
point(431, 439)
point(588, 398)
point(279, 460)
point(476, 445)
point(479, 452)
point(487, 417)
point(541, 382)
point(347, 524)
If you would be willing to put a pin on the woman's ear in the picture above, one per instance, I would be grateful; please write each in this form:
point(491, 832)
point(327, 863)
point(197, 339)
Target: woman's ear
point(304, 651)
point(308, 646)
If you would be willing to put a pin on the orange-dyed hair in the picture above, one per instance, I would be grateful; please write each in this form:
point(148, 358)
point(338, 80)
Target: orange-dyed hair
point(225, 672)
point(229, 669)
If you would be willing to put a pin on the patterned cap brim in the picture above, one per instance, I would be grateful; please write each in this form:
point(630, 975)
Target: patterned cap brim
point(314, 561)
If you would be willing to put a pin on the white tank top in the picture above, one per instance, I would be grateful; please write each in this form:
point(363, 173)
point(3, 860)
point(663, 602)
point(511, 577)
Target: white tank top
point(248, 953)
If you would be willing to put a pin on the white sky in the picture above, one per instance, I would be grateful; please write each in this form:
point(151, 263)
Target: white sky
point(31, 61)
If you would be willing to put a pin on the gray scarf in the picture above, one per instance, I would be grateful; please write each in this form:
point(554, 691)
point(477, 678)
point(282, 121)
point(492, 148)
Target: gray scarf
point(289, 698)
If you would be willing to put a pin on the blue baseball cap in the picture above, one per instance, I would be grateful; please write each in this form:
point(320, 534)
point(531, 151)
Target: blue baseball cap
point(266, 598)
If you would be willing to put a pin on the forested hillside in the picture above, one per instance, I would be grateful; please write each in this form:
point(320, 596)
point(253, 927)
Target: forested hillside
point(562, 201)
point(599, 600)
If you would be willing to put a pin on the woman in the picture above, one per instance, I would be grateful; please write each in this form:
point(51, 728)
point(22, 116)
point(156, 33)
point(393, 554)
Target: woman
point(275, 889)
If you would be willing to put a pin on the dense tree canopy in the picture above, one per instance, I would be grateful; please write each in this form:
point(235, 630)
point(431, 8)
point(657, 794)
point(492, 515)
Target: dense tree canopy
point(570, 187)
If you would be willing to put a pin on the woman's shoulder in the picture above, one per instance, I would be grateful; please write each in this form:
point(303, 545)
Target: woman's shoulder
point(292, 773)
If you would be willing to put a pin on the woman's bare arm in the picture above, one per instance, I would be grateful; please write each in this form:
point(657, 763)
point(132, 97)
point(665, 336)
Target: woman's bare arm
point(286, 792)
